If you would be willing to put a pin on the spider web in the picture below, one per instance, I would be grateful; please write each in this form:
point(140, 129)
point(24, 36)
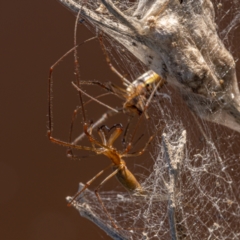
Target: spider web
point(206, 187)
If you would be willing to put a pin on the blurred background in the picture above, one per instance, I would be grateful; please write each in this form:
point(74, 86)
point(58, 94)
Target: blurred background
point(36, 175)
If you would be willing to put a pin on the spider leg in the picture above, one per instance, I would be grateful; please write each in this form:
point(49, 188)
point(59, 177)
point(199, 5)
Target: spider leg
point(140, 152)
point(80, 92)
point(88, 184)
point(75, 112)
point(70, 145)
point(50, 128)
point(125, 81)
point(105, 116)
point(128, 148)
point(94, 99)
point(99, 198)
point(125, 132)
point(109, 86)
point(50, 85)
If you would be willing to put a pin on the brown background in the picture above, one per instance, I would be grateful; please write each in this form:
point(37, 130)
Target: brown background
point(35, 175)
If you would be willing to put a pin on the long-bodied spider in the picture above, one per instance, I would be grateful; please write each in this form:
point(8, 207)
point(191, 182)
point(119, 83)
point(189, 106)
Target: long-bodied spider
point(105, 146)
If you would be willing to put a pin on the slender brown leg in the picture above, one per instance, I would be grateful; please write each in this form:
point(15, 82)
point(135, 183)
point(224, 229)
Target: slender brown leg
point(50, 83)
point(94, 99)
point(70, 145)
point(138, 153)
point(100, 200)
point(128, 148)
point(105, 116)
point(125, 132)
point(108, 86)
point(124, 80)
point(88, 184)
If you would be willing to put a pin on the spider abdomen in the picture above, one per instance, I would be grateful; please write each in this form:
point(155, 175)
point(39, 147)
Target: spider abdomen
point(127, 179)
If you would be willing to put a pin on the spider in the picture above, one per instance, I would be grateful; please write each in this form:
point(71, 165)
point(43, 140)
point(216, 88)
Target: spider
point(107, 135)
point(136, 93)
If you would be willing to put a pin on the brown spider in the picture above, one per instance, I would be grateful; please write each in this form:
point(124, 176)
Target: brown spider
point(105, 146)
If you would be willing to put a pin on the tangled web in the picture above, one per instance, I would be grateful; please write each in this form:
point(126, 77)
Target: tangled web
point(204, 193)
point(192, 191)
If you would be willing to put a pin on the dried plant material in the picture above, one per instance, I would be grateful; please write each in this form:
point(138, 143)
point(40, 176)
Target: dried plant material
point(180, 42)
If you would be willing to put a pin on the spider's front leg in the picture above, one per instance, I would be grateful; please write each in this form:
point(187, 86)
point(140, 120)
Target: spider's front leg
point(87, 185)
